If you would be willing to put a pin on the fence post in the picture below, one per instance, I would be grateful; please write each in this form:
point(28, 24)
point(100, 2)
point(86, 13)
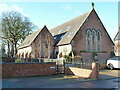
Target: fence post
point(64, 65)
point(95, 70)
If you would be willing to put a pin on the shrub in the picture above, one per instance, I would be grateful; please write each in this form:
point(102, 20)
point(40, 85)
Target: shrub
point(66, 57)
point(18, 61)
point(94, 54)
point(78, 59)
point(70, 54)
point(83, 51)
point(112, 54)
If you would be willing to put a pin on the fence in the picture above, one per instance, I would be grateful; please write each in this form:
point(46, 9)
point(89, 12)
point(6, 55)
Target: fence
point(78, 65)
point(8, 59)
point(58, 61)
point(61, 64)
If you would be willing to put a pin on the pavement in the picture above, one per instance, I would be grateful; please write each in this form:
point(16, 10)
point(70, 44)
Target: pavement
point(108, 78)
point(108, 74)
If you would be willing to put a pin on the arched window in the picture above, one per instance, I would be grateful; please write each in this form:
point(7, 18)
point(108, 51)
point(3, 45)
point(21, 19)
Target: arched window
point(99, 40)
point(88, 39)
point(93, 40)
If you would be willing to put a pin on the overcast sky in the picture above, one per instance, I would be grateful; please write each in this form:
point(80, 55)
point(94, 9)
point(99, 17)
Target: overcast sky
point(52, 14)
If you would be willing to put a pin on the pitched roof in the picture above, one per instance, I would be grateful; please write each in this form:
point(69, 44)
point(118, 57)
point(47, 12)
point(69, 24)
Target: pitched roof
point(74, 26)
point(117, 37)
point(69, 25)
point(30, 38)
point(71, 28)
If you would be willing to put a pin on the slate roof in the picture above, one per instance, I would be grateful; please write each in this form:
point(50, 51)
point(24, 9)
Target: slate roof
point(74, 26)
point(71, 28)
point(30, 38)
point(69, 25)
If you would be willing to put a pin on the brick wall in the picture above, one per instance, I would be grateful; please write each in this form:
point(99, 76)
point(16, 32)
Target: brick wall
point(27, 69)
point(87, 57)
point(102, 57)
point(102, 66)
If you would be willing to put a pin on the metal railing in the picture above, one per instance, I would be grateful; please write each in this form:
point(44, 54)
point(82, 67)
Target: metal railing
point(78, 65)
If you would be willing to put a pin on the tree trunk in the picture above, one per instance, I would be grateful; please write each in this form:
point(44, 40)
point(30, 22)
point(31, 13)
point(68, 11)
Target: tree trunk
point(15, 51)
point(12, 50)
point(8, 45)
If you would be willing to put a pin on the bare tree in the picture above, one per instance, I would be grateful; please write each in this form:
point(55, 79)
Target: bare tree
point(15, 28)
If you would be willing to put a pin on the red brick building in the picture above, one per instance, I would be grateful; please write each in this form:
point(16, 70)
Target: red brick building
point(117, 43)
point(83, 35)
point(37, 45)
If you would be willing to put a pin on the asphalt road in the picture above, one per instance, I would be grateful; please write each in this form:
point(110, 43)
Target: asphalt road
point(57, 82)
point(111, 83)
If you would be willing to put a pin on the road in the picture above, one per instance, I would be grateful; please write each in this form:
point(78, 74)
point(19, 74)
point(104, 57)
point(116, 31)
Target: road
point(111, 83)
point(59, 82)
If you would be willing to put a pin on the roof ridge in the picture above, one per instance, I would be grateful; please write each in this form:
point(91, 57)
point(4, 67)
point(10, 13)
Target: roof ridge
point(69, 20)
point(86, 16)
point(77, 29)
point(36, 31)
point(35, 34)
point(84, 20)
point(117, 35)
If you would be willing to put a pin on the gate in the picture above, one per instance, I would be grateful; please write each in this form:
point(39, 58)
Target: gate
point(60, 64)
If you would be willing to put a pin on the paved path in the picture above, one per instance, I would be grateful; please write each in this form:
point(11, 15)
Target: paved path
point(107, 74)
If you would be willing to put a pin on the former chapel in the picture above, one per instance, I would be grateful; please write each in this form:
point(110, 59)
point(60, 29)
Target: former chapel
point(83, 36)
